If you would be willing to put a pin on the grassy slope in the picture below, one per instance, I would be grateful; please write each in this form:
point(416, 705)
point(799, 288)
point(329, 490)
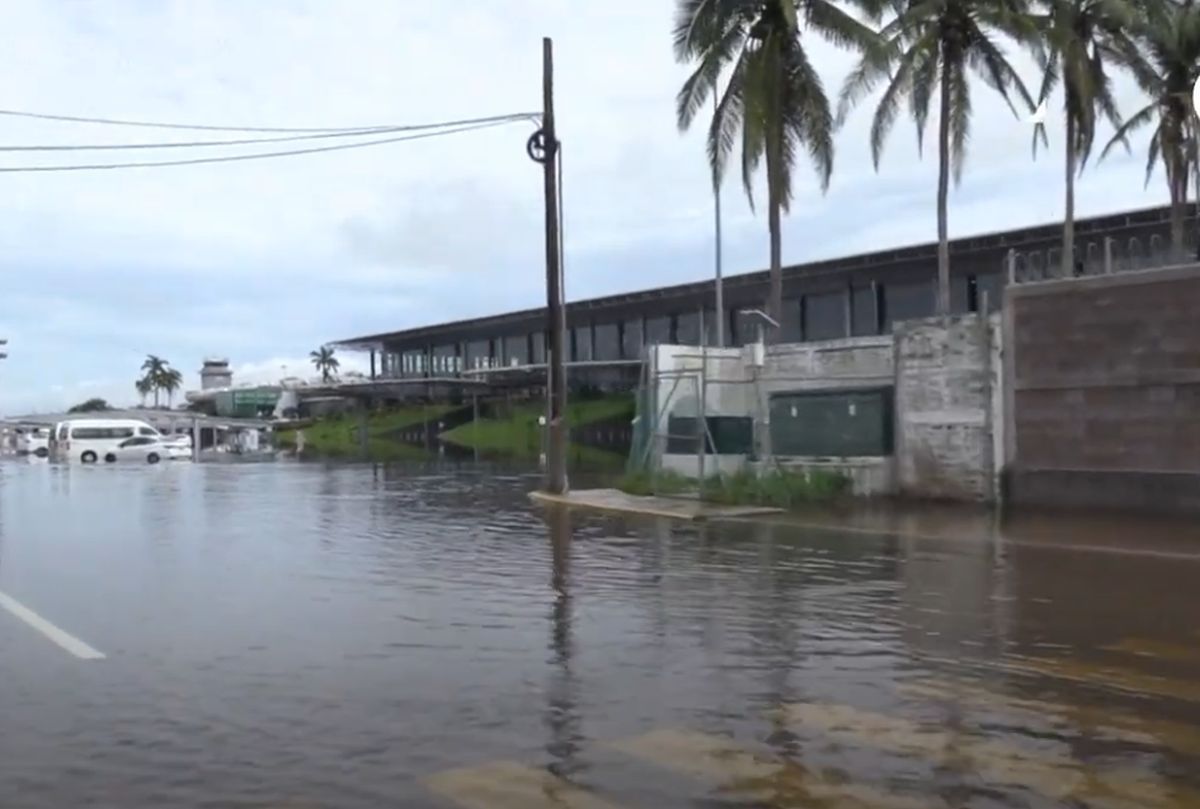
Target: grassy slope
point(520, 434)
point(340, 433)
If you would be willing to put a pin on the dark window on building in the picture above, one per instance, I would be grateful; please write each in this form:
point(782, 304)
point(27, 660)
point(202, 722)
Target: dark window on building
point(581, 344)
point(863, 318)
point(516, 350)
point(710, 328)
point(825, 316)
point(735, 330)
point(631, 339)
point(607, 338)
point(727, 435)
point(537, 342)
point(791, 321)
point(658, 330)
point(832, 424)
point(963, 294)
point(478, 352)
point(907, 301)
point(990, 286)
point(687, 329)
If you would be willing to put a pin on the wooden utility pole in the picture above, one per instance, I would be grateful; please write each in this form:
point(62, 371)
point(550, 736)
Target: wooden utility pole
point(543, 147)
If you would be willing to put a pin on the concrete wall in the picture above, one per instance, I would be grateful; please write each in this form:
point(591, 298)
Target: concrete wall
point(1105, 380)
point(944, 407)
point(943, 373)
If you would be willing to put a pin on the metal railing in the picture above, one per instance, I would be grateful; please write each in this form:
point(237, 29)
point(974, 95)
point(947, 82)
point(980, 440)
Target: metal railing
point(1098, 257)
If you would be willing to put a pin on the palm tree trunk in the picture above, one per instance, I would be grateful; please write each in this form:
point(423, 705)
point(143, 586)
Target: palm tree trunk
point(775, 299)
point(943, 194)
point(1068, 248)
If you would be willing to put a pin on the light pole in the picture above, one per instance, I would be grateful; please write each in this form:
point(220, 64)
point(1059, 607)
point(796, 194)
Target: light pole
point(720, 314)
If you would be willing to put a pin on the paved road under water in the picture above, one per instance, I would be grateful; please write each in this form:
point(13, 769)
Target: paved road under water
point(289, 635)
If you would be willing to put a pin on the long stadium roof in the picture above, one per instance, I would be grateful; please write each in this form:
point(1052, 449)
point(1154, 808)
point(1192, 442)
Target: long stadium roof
point(1014, 238)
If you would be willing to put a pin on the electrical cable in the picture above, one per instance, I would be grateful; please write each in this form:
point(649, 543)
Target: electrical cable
point(255, 156)
point(247, 141)
point(212, 128)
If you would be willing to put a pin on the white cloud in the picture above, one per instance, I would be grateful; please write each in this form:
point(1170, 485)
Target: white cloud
point(266, 260)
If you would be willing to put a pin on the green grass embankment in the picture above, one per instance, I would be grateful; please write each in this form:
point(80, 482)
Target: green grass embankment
point(339, 435)
point(518, 433)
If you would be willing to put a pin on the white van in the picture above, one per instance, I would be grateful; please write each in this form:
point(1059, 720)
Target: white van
point(91, 440)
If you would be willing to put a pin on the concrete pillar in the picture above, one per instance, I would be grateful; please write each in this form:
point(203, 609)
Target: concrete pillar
point(372, 363)
point(1108, 255)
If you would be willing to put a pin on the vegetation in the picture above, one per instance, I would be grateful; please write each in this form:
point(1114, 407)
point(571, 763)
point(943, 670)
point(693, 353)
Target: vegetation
point(773, 93)
point(927, 53)
point(520, 434)
point(158, 376)
point(95, 405)
point(778, 488)
point(325, 362)
point(928, 48)
point(340, 435)
point(1083, 38)
point(1166, 66)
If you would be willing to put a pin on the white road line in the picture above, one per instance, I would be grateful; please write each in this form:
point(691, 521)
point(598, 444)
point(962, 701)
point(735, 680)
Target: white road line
point(67, 642)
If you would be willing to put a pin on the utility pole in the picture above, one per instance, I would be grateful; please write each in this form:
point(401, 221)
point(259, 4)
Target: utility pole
point(543, 147)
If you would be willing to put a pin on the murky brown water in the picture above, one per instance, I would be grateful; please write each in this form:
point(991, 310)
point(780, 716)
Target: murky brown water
point(295, 635)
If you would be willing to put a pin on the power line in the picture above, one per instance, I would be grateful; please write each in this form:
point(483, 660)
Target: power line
point(497, 119)
point(212, 128)
point(256, 156)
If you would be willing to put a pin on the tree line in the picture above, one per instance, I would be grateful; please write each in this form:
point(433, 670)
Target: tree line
point(751, 58)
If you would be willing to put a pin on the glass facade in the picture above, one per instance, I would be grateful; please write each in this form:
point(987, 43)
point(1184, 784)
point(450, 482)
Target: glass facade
point(790, 321)
point(631, 339)
point(607, 341)
point(581, 344)
point(864, 318)
point(825, 316)
point(907, 301)
point(658, 330)
point(479, 353)
point(516, 350)
point(687, 329)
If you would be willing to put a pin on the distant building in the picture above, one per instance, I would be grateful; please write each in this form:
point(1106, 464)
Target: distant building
point(216, 374)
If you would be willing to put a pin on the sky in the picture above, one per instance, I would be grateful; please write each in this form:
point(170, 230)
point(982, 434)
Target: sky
point(263, 261)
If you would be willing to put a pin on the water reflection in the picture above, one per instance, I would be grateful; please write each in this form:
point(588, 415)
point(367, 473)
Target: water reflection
point(420, 635)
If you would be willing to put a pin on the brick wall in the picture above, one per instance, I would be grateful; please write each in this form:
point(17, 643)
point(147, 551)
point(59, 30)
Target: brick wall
point(1105, 377)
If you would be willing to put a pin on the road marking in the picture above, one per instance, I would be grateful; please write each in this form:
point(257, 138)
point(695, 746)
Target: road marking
point(1107, 722)
point(64, 640)
point(1048, 769)
point(765, 779)
point(1155, 649)
point(509, 785)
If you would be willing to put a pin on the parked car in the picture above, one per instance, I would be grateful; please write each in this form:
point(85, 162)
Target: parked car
point(33, 441)
point(179, 447)
point(149, 449)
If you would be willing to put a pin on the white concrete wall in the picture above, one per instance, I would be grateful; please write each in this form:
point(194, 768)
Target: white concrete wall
point(944, 441)
point(947, 376)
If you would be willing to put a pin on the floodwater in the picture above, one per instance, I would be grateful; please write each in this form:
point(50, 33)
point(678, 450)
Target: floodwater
point(303, 635)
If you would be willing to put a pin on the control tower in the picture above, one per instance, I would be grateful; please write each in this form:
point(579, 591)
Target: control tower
point(215, 373)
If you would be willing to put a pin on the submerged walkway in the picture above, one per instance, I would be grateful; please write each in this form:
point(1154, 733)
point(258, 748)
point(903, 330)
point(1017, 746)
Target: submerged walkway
point(676, 508)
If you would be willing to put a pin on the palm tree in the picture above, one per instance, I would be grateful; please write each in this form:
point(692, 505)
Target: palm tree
point(1082, 38)
point(143, 387)
point(154, 366)
point(170, 381)
point(1166, 68)
point(773, 94)
point(932, 46)
point(324, 361)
